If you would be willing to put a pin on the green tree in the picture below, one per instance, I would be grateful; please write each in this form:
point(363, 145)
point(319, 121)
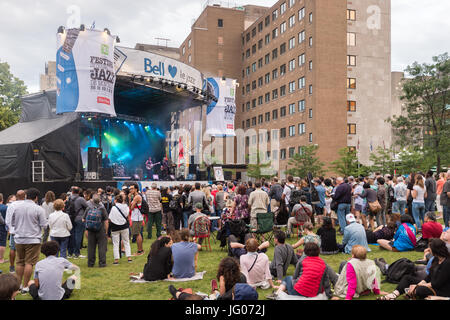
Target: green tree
point(305, 162)
point(347, 164)
point(260, 170)
point(425, 122)
point(383, 161)
point(11, 89)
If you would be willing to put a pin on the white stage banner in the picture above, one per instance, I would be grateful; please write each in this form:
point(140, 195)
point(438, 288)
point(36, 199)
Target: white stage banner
point(220, 115)
point(142, 63)
point(85, 72)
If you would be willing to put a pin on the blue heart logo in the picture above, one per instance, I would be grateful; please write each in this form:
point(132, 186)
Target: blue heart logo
point(173, 71)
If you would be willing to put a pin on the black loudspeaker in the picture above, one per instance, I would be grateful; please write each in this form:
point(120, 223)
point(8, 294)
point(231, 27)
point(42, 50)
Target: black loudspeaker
point(94, 159)
point(192, 168)
point(106, 173)
point(202, 175)
point(228, 175)
point(238, 175)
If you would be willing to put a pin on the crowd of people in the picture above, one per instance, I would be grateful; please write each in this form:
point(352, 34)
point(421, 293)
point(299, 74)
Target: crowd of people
point(388, 211)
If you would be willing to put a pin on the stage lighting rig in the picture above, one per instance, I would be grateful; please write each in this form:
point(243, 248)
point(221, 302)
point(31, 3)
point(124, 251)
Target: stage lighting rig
point(107, 31)
point(61, 29)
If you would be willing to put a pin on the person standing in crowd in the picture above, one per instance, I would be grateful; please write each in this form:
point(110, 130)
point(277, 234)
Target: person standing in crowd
point(382, 199)
point(137, 218)
point(258, 203)
point(28, 221)
point(409, 187)
point(220, 200)
point(3, 232)
point(60, 225)
point(419, 193)
point(47, 205)
point(176, 208)
point(430, 186)
point(77, 206)
point(97, 232)
point(118, 221)
point(445, 200)
point(343, 197)
point(275, 194)
point(185, 205)
point(19, 199)
point(155, 210)
point(320, 207)
point(241, 210)
point(354, 234)
point(287, 191)
point(400, 193)
point(167, 216)
point(250, 188)
point(439, 186)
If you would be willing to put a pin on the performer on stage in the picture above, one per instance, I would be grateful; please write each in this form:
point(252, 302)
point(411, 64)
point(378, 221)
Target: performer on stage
point(106, 163)
point(149, 166)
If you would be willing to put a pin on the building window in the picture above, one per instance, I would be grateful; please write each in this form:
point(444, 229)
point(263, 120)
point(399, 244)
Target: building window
point(351, 15)
point(247, 71)
point(275, 114)
point(310, 42)
point(282, 70)
point(267, 78)
point(282, 91)
point(254, 32)
point(291, 43)
point(301, 106)
point(248, 123)
point(260, 63)
point(267, 97)
point(190, 59)
point(260, 81)
point(254, 67)
point(282, 112)
point(220, 23)
point(183, 50)
point(189, 43)
point(291, 87)
point(282, 133)
point(301, 129)
point(267, 155)
point(292, 108)
point(310, 17)
point(301, 14)
point(291, 131)
point(260, 26)
point(267, 116)
point(351, 106)
point(274, 53)
point(267, 59)
point(275, 15)
point(291, 21)
point(351, 83)
point(254, 121)
point(310, 89)
point(310, 113)
point(260, 119)
point(260, 44)
point(351, 60)
point(283, 8)
point(283, 48)
point(301, 60)
point(247, 53)
point(292, 65)
point(274, 94)
point(247, 37)
point(260, 100)
point(283, 27)
point(310, 137)
point(254, 103)
point(254, 49)
point(247, 87)
point(351, 128)
point(291, 152)
point(283, 154)
point(291, 3)
point(351, 39)
point(301, 83)
point(301, 36)
point(275, 33)
point(220, 56)
point(267, 21)
point(300, 150)
point(310, 65)
point(275, 74)
point(267, 39)
point(220, 40)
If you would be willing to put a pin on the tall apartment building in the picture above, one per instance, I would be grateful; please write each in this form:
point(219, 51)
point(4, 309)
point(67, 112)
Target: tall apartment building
point(47, 81)
point(310, 72)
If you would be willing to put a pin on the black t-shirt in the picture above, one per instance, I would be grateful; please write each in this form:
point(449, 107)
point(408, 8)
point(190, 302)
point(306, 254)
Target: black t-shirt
point(159, 266)
point(440, 278)
point(165, 200)
point(327, 239)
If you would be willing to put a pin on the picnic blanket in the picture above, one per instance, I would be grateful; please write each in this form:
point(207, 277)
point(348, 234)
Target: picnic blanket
point(197, 276)
point(285, 296)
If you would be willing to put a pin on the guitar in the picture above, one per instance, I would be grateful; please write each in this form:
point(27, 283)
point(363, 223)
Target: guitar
point(150, 166)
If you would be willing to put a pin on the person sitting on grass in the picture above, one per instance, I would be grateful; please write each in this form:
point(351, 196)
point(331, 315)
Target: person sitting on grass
point(436, 283)
point(309, 237)
point(237, 249)
point(382, 232)
point(354, 234)
point(49, 273)
point(283, 256)
point(9, 287)
point(431, 228)
point(256, 266)
point(358, 276)
point(310, 278)
point(185, 256)
point(327, 234)
point(404, 238)
point(159, 261)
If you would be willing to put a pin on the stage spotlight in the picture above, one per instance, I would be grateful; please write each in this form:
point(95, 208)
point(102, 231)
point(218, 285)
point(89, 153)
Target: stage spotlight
point(172, 83)
point(89, 119)
point(179, 86)
point(185, 87)
point(82, 27)
point(107, 31)
point(61, 29)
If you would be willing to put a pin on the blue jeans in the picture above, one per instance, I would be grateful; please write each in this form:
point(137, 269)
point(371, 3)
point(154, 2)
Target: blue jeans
point(430, 205)
point(186, 215)
point(77, 237)
point(288, 282)
point(400, 206)
point(446, 212)
point(418, 210)
point(63, 244)
point(343, 210)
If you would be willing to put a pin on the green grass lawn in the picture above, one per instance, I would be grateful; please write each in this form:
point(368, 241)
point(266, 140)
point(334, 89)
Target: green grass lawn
point(112, 282)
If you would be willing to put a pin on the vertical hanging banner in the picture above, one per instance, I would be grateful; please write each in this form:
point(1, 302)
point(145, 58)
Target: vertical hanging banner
point(85, 72)
point(220, 115)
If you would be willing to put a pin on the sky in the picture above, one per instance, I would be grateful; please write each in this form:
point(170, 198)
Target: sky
point(420, 29)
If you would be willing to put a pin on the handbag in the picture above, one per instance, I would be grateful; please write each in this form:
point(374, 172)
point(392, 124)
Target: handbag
point(374, 207)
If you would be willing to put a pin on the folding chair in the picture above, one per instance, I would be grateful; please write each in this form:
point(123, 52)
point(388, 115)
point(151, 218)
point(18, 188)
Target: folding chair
point(202, 230)
point(265, 226)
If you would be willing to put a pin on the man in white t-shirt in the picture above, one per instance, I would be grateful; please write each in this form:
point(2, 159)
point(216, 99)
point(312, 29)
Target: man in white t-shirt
point(290, 185)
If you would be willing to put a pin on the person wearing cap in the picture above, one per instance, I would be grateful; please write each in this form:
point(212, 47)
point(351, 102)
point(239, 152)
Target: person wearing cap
point(354, 234)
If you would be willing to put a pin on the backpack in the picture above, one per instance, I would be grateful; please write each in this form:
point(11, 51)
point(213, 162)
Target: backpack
point(70, 209)
point(144, 206)
point(278, 193)
point(174, 203)
point(94, 219)
point(237, 227)
point(314, 195)
point(282, 215)
point(295, 197)
point(399, 269)
point(201, 226)
point(391, 195)
point(302, 214)
point(243, 291)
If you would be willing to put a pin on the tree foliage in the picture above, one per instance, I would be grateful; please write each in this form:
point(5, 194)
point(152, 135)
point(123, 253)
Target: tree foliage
point(260, 170)
point(305, 162)
point(348, 164)
point(425, 123)
point(11, 89)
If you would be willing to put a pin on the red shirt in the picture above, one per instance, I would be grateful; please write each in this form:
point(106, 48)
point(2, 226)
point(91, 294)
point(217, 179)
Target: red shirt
point(431, 229)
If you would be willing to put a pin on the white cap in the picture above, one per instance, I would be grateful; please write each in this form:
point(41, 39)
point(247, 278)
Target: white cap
point(350, 218)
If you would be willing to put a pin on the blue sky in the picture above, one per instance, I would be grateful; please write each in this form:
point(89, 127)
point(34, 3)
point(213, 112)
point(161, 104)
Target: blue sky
point(420, 29)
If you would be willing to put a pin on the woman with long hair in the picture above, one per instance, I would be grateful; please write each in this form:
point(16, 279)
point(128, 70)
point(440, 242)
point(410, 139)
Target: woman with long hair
point(47, 205)
point(159, 260)
point(228, 274)
point(241, 210)
point(418, 204)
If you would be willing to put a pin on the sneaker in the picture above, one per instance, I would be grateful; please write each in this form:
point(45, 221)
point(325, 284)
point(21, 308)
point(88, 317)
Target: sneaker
point(25, 290)
point(12, 269)
point(81, 257)
point(69, 256)
point(173, 291)
point(115, 263)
